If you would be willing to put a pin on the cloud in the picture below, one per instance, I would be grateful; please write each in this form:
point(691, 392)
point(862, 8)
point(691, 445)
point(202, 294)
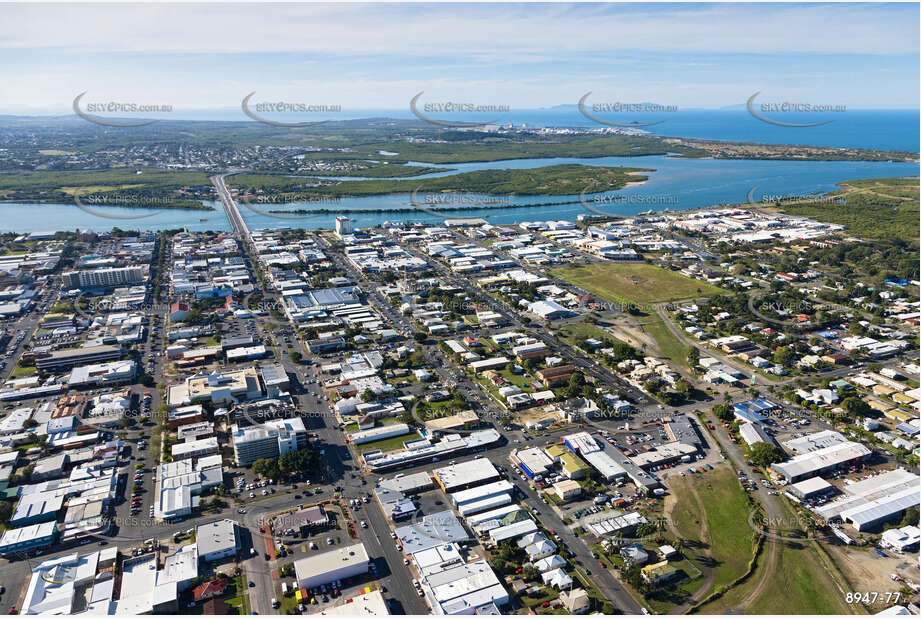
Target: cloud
point(480, 31)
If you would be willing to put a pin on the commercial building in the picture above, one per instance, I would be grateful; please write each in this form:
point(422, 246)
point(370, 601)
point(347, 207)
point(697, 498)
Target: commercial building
point(424, 450)
point(326, 567)
point(62, 360)
point(901, 539)
point(104, 277)
point(567, 490)
point(430, 531)
point(532, 461)
point(584, 444)
point(379, 433)
point(664, 454)
point(272, 439)
point(368, 604)
point(619, 524)
point(465, 475)
point(194, 448)
point(217, 540)
point(28, 537)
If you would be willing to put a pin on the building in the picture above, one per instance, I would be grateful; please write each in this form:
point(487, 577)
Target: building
point(465, 475)
point(194, 449)
point(343, 226)
point(104, 277)
point(431, 531)
point(379, 433)
point(326, 567)
point(62, 360)
point(567, 490)
point(821, 461)
point(901, 539)
point(753, 433)
point(267, 441)
point(368, 604)
point(28, 537)
point(217, 540)
point(814, 487)
point(878, 499)
point(659, 573)
point(532, 461)
point(576, 601)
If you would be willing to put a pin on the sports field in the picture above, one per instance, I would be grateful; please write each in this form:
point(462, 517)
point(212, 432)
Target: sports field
point(635, 283)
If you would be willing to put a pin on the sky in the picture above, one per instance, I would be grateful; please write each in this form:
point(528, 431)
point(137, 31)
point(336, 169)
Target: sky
point(378, 56)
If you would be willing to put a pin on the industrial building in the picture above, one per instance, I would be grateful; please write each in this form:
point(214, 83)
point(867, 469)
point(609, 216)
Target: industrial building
point(465, 475)
point(823, 460)
point(431, 531)
point(326, 567)
point(812, 488)
point(875, 500)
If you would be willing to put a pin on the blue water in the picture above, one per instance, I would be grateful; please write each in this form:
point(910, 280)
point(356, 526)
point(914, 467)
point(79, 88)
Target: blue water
point(875, 129)
point(677, 184)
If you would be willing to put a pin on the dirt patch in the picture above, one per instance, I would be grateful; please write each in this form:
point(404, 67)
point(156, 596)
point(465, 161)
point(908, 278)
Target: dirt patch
point(867, 570)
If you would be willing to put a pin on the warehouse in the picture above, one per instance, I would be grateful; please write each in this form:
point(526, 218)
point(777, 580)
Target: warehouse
point(620, 524)
point(875, 512)
point(379, 433)
point(465, 474)
point(484, 504)
point(332, 565)
point(532, 461)
point(876, 488)
point(753, 433)
point(664, 454)
point(812, 488)
point(821, 461)
point(513, 531)
point(431, 531)
point(474, 494)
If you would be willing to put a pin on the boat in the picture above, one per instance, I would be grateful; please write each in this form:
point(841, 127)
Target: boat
point(203, 219)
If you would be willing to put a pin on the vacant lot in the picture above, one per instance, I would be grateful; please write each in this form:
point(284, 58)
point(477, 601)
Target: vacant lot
point(711, 514)
point(634, 283)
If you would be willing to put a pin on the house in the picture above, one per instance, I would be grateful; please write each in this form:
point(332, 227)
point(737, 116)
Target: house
point(576, 601)
point(634, 553)
point(209, 589)
point(659, 573)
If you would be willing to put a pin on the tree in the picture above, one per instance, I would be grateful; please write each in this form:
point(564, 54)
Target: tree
point(530, 573)
point(267, 468)
point(724, 412)
point(911, 517)
point(855, 406)
point(764, 454)
point(295, 356)
point(368, 395)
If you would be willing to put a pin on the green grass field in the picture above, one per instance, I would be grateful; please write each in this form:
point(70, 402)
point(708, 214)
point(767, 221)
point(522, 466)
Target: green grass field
point(669, 345)
point(799, 584)
point(635, 283)
point(712, 512)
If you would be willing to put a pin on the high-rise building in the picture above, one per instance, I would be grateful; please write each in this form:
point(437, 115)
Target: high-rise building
point(343, 226)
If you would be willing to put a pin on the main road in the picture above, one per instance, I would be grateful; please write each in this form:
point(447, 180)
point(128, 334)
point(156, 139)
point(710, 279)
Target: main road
point(392, 574)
